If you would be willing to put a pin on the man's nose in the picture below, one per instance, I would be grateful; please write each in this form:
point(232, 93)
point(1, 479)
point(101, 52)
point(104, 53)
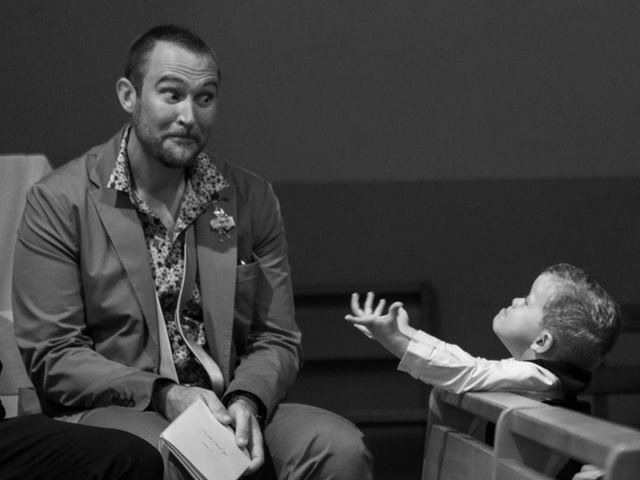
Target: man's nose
point(515, 302)
point(186, 115)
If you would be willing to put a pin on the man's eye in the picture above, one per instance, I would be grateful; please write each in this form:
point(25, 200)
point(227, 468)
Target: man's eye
point(206, 99)
point(170, 94)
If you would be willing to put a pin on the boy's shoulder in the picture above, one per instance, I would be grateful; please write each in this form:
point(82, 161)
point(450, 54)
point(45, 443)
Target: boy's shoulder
point(574, 380)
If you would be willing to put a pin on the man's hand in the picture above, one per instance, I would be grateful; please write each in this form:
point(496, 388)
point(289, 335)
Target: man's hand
point(172, 399)
point(248, 433)
point(391, 330)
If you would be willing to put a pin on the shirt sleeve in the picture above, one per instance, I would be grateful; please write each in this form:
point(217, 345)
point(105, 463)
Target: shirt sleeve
point(447, 366)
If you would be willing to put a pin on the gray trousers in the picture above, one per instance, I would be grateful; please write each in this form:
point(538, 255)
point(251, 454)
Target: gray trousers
point(304, 442)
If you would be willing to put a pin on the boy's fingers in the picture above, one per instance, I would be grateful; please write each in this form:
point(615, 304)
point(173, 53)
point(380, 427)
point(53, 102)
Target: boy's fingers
point(368, 302)
point(364, 330)
point(380, 308)
point(394, 309)
point(403, 317)
point(356, 320)
point(358, 323)
point(355, 304)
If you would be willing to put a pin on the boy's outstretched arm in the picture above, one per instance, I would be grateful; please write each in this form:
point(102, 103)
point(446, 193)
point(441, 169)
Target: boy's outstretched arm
point(392, 330)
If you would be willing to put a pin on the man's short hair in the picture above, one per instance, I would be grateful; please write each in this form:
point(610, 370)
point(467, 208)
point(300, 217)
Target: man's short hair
point(582, 317)
point(142, 46)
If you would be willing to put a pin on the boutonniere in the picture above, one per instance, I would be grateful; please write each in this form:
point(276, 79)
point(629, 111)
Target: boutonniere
point(222, 222)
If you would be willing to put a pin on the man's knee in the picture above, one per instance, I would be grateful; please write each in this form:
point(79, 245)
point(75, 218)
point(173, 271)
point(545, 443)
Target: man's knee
point(319, 445)
point(340, 449)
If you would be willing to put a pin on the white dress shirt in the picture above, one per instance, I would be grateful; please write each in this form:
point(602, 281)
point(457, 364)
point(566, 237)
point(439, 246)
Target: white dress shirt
point(447, 366)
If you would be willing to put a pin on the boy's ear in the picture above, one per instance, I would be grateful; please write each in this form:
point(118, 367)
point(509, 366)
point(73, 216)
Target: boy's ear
point(542, 343)
point(127, 94)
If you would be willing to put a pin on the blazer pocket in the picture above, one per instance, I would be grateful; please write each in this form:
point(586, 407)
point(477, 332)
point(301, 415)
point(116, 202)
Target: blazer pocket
point(247, 271)
point(247, 276)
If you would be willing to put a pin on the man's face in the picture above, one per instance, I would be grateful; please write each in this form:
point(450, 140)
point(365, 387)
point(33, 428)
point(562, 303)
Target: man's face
point(177, 105)
point(520, 324)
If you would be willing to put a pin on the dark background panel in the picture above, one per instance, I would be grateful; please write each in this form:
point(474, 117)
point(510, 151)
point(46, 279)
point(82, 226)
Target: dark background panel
point(351, 91)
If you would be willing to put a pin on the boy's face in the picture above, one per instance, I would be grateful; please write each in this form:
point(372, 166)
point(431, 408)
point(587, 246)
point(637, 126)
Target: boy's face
point(519, 325)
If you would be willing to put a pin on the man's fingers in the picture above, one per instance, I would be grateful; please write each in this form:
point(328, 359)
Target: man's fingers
point(243, 425)
point(179, 397)
point(217, 408)
point(257, 447)
point(249, 436)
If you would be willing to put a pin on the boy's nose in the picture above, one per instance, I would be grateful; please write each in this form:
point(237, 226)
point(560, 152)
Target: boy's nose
point(515, 302)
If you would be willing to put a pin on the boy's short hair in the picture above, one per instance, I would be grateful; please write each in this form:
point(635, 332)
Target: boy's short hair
point(582, 317)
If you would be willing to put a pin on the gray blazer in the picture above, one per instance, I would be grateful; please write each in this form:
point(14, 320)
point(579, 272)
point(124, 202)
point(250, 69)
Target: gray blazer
point(84, 298)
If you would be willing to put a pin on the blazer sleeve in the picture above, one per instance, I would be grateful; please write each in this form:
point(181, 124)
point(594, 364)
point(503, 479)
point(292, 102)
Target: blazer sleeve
point(269, 361)
point(50, 315)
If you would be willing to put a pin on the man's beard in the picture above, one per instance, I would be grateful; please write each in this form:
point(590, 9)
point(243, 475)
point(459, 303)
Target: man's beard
point(175, 156)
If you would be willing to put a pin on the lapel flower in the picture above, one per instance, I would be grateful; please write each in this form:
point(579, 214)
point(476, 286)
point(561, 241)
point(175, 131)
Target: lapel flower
point(222, 222)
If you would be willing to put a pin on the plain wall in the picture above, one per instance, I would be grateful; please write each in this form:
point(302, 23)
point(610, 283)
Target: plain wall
point(345, 90)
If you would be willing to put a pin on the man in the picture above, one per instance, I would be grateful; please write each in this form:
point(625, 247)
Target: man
point(37, 447)
point(149, 274)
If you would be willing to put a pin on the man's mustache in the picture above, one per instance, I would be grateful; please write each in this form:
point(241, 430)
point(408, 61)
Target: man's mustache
point(183, 134)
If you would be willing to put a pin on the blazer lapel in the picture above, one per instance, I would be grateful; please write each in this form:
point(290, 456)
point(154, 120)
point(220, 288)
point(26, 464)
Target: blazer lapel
point(123, 227)
point(121, 222)
point(217, 258)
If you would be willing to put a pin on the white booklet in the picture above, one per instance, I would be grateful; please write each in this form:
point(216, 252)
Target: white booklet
point(204, 446)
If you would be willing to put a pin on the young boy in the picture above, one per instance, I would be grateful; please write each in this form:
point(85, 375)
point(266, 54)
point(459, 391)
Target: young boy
point(557, 335)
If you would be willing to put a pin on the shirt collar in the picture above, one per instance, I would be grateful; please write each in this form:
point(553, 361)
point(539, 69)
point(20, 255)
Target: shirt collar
point(204, 179)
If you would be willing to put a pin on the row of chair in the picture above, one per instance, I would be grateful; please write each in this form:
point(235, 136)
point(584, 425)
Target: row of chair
point(532, 440)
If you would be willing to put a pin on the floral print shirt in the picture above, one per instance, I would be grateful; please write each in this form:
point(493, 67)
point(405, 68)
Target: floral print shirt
point(166, 255)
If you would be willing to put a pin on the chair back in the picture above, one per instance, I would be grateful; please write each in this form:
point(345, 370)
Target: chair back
point(17, 174)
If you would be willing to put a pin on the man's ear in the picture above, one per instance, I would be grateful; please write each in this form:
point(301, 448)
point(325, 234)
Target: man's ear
point(127, 94)
point(542, 343)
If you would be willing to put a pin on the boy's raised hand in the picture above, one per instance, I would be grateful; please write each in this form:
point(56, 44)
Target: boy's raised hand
point(370, 320)
point(391, 330)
